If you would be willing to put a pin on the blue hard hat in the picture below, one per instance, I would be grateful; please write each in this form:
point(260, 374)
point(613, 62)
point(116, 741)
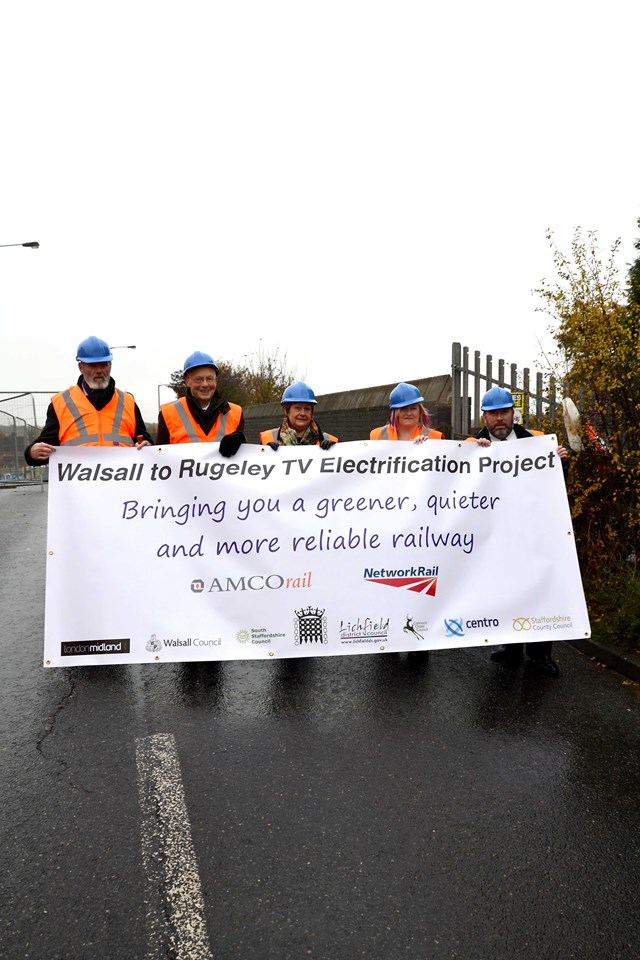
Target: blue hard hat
point(93, 350)
point(404, 395)
point(298, 392)
point(199, 359)
point(497, 399)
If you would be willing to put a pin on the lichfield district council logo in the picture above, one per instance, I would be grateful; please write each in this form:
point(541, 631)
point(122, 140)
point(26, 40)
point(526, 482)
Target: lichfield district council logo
point(416, 579)
point(364, 630)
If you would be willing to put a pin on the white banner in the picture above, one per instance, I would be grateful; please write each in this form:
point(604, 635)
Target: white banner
point(177, 554)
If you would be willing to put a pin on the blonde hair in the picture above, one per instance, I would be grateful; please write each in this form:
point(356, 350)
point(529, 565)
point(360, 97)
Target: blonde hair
point(425, 419)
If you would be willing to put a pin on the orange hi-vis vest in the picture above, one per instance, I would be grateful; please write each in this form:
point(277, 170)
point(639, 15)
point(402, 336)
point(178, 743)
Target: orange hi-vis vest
point(389, 433)
point(184, 429)
point(81, 425)
point(271, 436)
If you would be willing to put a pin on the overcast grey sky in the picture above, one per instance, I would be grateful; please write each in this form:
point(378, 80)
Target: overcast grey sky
point(355, 184)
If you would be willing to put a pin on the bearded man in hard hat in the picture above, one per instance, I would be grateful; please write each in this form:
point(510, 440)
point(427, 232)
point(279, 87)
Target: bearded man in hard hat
point(408, 417)
point(93, 413)
point(498, 413)
point(299, 426)
point(202, 416)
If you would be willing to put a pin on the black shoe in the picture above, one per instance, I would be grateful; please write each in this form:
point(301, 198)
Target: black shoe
point(511, 653)
point(548, 665)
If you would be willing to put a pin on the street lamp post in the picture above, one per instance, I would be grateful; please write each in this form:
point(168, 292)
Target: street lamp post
point(163, 385)
point(33, 244)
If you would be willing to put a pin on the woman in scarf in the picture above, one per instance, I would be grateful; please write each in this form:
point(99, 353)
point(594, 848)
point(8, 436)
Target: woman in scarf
point(298, 427)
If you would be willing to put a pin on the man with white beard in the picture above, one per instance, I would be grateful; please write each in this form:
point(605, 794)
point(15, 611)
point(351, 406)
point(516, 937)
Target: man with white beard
point(93, 412)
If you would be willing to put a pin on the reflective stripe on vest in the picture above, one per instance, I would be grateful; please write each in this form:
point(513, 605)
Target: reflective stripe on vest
point(85, 439)
point(191, 431)
point(424, 432)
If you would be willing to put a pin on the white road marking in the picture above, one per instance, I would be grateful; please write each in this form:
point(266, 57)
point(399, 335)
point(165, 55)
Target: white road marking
point(175, 907)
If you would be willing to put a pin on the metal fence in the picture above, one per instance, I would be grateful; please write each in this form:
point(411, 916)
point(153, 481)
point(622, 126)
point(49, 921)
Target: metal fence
point(22, 417)
point(535, 395)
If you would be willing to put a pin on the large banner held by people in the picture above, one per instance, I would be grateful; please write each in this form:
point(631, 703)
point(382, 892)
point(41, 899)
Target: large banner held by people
point(178, 554)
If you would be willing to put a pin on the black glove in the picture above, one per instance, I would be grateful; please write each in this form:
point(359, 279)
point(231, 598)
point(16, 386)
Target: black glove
point(327, 444)
point(273, 445)
point(231, 443)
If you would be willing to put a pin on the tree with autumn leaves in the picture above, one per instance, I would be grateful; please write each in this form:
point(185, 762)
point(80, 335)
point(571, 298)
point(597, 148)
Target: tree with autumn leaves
point(596, 330)
point(261, 380)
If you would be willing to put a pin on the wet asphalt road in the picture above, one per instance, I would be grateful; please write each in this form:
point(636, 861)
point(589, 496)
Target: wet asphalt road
point(376, 806)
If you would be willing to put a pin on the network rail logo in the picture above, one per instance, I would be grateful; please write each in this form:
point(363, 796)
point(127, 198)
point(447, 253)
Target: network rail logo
point(94, 648)
point(422, 580)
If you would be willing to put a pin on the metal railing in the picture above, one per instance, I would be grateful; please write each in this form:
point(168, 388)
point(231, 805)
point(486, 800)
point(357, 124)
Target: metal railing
point(469, 381)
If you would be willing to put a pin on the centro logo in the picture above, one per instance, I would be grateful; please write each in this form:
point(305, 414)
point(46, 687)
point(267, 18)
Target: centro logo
point(197, 586)
point(274, 581)
point(454, 628)
point(521, 623)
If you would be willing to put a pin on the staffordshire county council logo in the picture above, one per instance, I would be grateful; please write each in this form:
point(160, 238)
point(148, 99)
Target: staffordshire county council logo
point(521, 623)
point(310, 626)
point(153, 645)
point(242, 636)
point(197, 586)
point(454, 628)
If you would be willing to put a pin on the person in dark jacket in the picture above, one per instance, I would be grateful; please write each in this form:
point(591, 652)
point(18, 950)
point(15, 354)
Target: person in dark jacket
point(203, 415)
point(498, 413)
point(92, 413)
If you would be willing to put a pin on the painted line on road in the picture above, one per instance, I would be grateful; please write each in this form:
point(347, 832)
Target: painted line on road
point(175, 907)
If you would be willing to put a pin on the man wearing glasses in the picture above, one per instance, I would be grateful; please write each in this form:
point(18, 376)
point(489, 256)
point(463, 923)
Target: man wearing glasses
point(203, 416)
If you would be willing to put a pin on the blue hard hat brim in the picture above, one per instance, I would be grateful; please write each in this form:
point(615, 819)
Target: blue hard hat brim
point(498, 406)
point(406, 403)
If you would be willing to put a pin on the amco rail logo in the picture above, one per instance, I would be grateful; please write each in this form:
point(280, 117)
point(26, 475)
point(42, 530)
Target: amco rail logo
point(273, 581)
point(416, 579)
